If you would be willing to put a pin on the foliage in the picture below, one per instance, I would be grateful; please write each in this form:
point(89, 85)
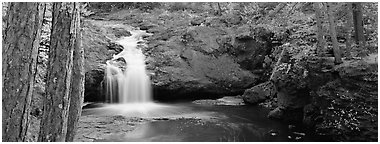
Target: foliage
point(292, 22)
point(349, 114)
point(186, 6)
point(112, 6)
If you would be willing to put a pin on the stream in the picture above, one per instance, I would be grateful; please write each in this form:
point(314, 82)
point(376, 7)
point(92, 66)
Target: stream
point(130, 114)
point(189, 122)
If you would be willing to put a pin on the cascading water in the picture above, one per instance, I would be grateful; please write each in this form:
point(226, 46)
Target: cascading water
point(127, 81)
point(128, 86)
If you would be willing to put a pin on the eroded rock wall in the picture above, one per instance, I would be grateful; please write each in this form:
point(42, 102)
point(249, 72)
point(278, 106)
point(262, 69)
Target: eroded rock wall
point(184, 62)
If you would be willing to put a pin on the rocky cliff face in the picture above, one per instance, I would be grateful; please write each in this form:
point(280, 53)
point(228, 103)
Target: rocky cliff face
point(201, 61)
point(185, 62)
point(98, 42)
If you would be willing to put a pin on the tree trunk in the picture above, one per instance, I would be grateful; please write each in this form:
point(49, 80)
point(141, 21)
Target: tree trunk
point(64, 40)
point(337, 52)
point(321, 41)
point(358, 24)
point(348, 30)
point(21, 38)
point(77, 87)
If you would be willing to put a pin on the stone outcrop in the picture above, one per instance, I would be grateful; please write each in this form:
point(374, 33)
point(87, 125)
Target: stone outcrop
point(201, 61)
point(227, 100)
point(188, 58)
point(259, 93)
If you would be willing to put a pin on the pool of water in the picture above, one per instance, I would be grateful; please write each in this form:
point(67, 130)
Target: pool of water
point(208, 123)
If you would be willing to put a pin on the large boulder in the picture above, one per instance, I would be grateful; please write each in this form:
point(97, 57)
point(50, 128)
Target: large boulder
point(197, 61)
point(227, 100)
point(259, 93)
point(292, 90)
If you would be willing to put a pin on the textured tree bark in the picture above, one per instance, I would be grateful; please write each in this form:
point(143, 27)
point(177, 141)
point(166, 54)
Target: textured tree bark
point(64, 40)
point(337, 52)
point(77, 87)
point(358, 23)
point(348, 30)
point(21, 38)
point(321, 41)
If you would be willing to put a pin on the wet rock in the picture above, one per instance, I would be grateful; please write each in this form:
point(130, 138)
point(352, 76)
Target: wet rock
point(277, 113)
point(228, 100)
point(114, 46)
point(94, 86)
point(259, 93)
point(92, 105)
point(120, 32)
point(98, 49)
point(273, 133)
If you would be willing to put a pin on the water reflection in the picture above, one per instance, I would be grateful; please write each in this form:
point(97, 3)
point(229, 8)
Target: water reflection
point(195, 123)
point(192, 131)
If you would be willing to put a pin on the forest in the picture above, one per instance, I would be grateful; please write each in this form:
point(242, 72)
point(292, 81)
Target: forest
point(189, 71)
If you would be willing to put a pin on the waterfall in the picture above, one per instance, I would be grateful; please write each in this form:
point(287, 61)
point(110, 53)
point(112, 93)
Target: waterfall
point(127, 80)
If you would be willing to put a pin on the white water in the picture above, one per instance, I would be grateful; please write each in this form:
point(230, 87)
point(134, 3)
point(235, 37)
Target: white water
point(129, 91)
point(132, 85)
